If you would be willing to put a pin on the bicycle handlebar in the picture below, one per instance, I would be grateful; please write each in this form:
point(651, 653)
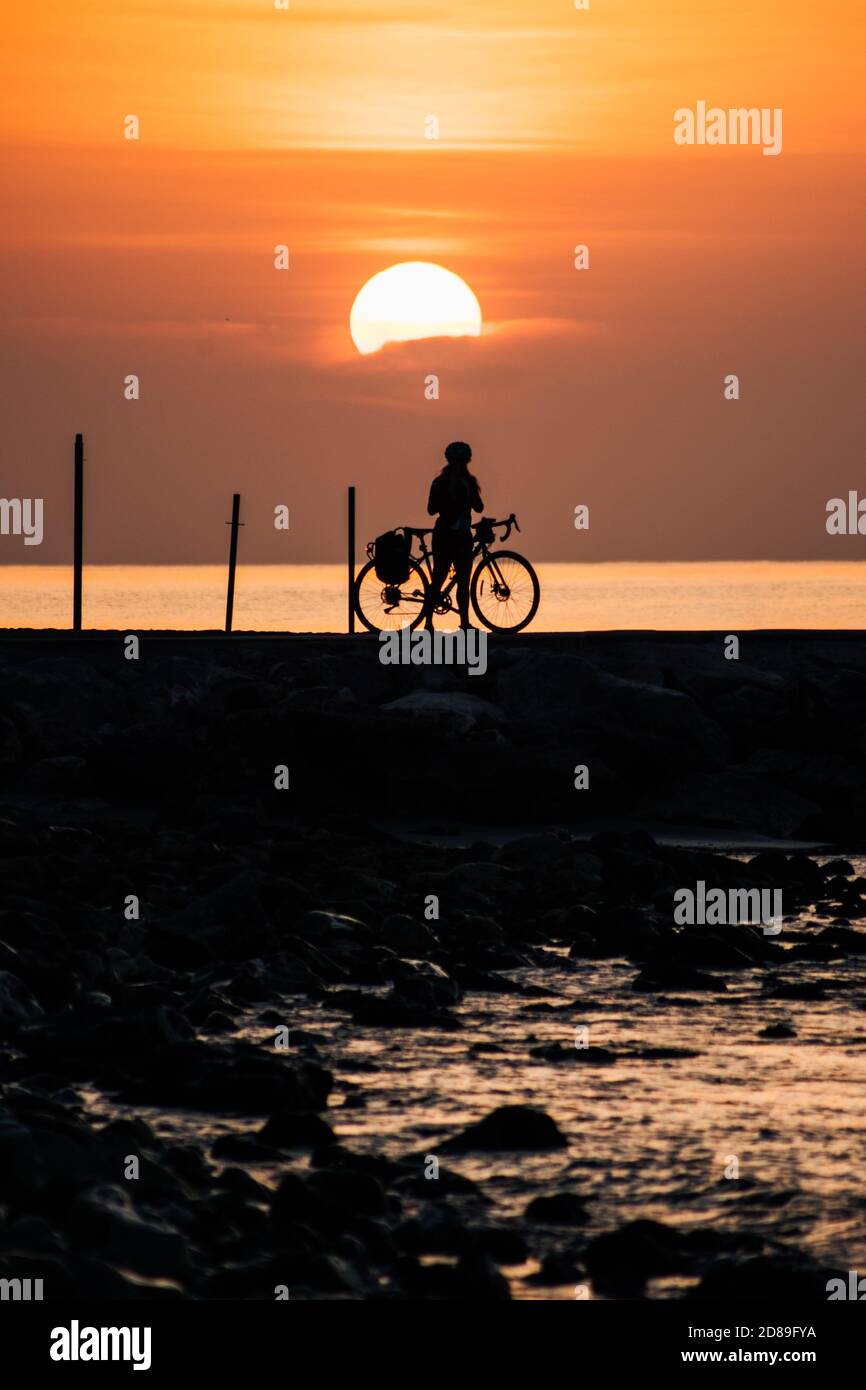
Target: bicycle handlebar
point(510, 524)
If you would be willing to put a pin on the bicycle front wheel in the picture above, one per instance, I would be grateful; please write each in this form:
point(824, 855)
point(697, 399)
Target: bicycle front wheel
point(505, 591)
point(388, 607)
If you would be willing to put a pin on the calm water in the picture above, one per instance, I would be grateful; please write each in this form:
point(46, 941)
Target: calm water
point(312, 598)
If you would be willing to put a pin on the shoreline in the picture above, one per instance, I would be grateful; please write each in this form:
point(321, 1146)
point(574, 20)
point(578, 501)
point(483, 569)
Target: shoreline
point(281, 1005)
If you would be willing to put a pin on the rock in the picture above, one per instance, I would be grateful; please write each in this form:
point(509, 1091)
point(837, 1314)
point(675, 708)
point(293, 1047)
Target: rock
point(448, 1183)
point(639, 1250)
point(17, 1005)
point(402, 933)
point(849, 939)
point(20, 1260)
point(562, 1209)
point(510, 1127)
point(394, 1012)
point(659, 978)
point(21, 1168)
point(104, 1222)
point(331, 930)
point(437, 1230)
point(288, 1129)
point(536, 851)
point(422, 982)
point(558, 1267)
point(10, 744)
point(778, 1030)
point(359, 1193)
point(503, 1244)
point(458, 711)
point(791, 1278)
point(840, 868)
point(805, 990)
point(222, 1076)
point(330, 1201)
point(64, 775)
point(243, 1148)
point(474, 1278)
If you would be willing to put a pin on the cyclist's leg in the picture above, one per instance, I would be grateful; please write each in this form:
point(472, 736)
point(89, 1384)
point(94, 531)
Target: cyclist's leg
point(441, 564)
point(463, 569)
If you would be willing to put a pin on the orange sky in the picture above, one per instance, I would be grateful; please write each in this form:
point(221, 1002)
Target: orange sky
point(306, 127)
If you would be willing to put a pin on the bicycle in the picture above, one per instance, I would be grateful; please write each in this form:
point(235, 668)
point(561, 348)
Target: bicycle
point(504, 590)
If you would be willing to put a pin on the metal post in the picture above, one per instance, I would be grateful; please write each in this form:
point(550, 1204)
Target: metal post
point(351, 575)
point(233, 557)
point(77, 532)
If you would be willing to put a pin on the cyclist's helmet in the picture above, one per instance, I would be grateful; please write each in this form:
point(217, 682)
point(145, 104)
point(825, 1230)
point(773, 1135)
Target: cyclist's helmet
point(458, 452)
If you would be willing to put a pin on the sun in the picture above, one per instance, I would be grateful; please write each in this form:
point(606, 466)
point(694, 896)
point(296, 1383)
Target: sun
point(414, 299)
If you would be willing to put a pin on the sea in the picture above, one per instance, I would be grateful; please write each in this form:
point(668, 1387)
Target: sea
point(711, 595)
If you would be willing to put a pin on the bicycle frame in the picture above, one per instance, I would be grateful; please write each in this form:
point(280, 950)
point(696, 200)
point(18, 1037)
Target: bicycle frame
point(483, 537)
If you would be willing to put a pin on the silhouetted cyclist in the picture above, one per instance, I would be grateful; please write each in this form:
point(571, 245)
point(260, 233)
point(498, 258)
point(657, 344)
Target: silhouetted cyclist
point(454, 495)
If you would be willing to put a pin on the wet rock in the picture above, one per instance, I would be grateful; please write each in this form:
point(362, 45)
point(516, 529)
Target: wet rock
point(558, 1267)
point(625, 1259)
point(474, 1278)
point(333, 930)
point(509, 1127)
point(330, 1200)
point(788, 1277)
point(402, 933)
point(243, 1148)
point(562, 1209)
point(446, 1183)
point(288, 1129)
point(438, 1230)
point(659, 978)
point(839, 868)
point(231, 1077)
point(778, 1030)
point(20, 1164)
point(395, 1012)
point(849, 939)
point(422, 982)
point(17, 1005)
point(805, 990)
point(243, 1184)
point(104, 1222)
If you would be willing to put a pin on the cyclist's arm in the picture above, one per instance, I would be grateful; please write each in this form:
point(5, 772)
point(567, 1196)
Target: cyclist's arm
point(433, 507)
point(477, 504)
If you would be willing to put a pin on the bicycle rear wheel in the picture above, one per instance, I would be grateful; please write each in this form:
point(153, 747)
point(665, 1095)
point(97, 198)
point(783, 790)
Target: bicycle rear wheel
point(388, 607)
point(505, 591)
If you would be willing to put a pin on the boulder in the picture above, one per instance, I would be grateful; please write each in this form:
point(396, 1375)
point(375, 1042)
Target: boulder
point(517, 1127)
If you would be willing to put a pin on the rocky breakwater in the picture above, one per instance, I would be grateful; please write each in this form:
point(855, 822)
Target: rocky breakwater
point(670, 732)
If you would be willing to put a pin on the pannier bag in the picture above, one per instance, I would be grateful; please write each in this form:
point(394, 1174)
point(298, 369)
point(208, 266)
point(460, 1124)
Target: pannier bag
point(391, 557)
